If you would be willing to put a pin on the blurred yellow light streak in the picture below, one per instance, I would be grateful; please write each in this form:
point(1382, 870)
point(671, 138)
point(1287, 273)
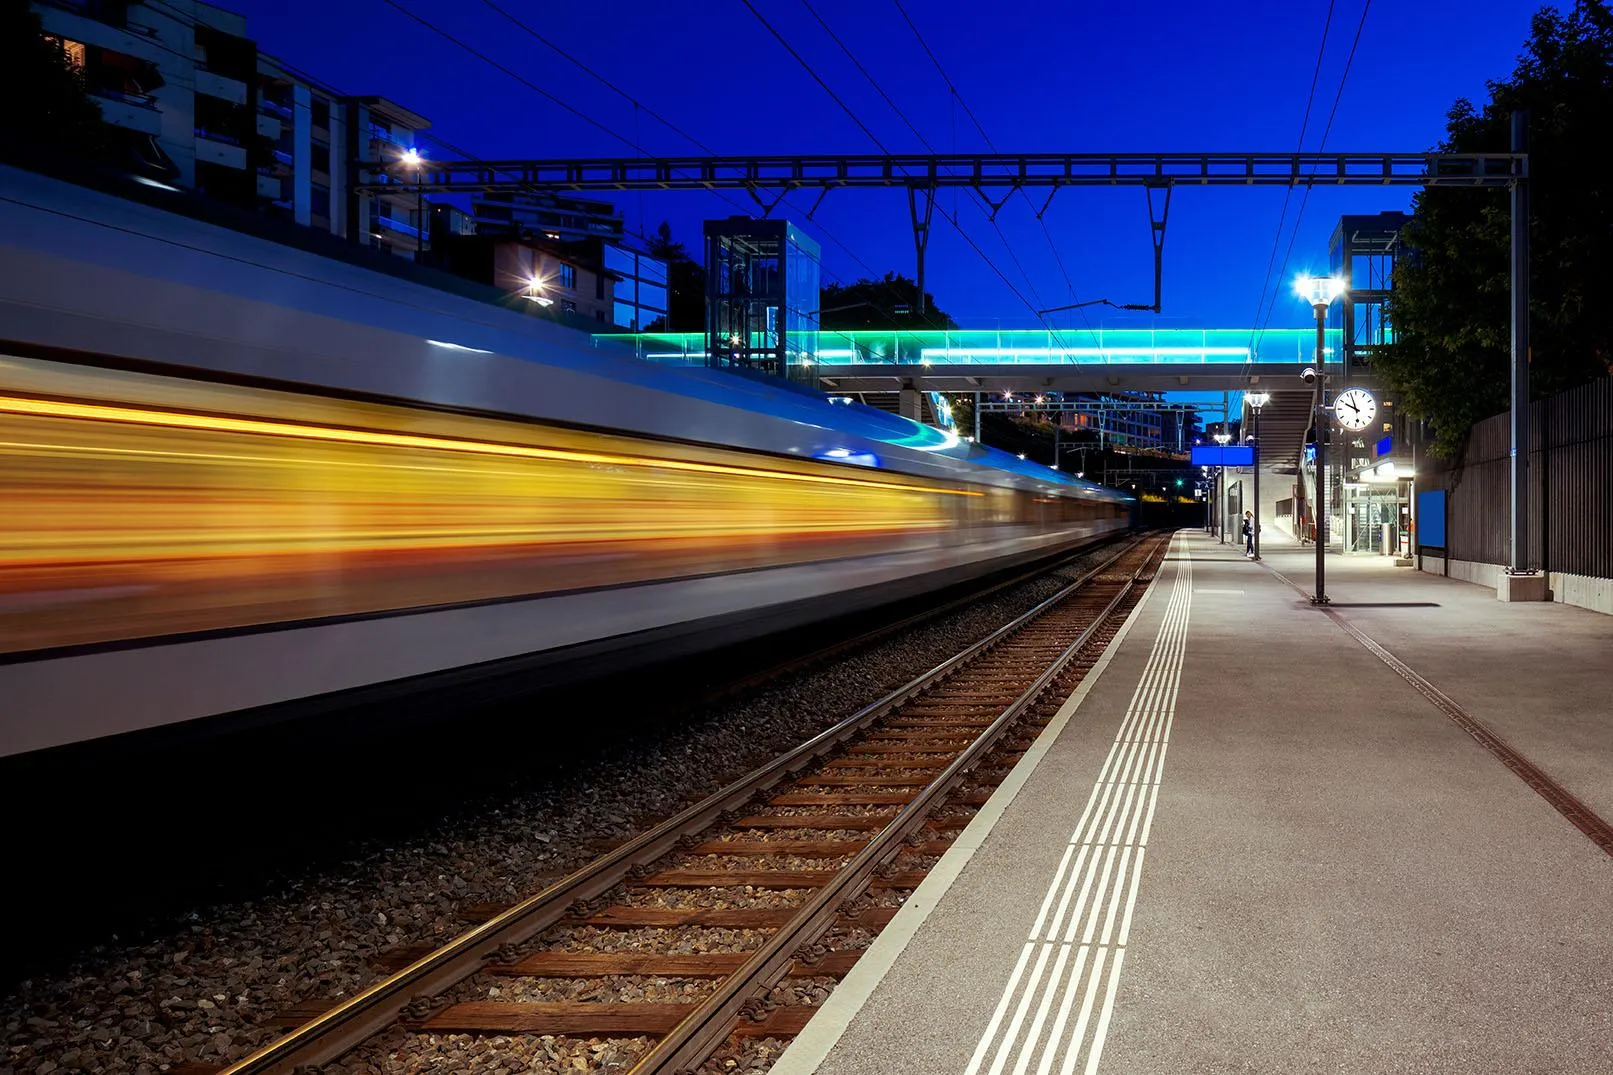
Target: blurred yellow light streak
point(129, 415)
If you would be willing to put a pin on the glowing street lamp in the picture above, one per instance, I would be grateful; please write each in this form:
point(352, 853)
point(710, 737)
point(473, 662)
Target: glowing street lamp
point(534, 292)
point(1221, 438)
point(413, 158)
point(1255, 401)
point(1320, 291)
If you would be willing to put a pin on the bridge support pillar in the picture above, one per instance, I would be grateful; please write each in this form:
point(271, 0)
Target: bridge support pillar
point(910, 404)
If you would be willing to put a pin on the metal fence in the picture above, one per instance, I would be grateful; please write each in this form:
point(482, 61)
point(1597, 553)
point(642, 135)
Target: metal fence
point(1570, 486)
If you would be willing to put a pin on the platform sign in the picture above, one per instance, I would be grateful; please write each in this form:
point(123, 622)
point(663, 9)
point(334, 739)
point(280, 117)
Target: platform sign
point(1228, 455)
point(1431, 519)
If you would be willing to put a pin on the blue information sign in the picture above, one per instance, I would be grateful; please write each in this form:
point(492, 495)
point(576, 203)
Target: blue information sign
point(1230, 455)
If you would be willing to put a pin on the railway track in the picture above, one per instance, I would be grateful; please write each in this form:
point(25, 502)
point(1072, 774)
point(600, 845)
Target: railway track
point(727, 921)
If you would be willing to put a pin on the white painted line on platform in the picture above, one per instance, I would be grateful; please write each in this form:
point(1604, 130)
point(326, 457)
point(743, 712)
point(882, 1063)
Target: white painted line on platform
point(1202, 590)
point(1111, 847)
point(809, 1048)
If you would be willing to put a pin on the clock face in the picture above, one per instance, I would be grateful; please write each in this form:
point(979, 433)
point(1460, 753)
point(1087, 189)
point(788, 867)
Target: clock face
point(1355, 408)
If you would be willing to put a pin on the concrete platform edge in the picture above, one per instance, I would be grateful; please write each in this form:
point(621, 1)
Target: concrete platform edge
point(823, 1032)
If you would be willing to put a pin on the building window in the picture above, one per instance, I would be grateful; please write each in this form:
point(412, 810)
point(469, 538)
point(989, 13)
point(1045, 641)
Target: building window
point(599, 286)
point(567, 276)
point(567, 306)
point(72, 51)
point(321, 112)
point(320, 155)
point(319, 201)
point(599, 315)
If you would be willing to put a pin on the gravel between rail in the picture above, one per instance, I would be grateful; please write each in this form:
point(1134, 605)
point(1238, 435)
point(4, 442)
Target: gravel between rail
point(203, 989)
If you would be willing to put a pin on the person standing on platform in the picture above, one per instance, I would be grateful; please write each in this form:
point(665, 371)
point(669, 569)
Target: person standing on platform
point(1249, 534)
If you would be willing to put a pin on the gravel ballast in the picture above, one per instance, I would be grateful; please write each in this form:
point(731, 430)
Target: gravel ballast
point(206, 987)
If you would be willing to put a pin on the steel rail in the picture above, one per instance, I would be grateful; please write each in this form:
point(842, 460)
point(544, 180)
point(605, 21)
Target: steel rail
point(879, 634)
point(373, 1009)
point(709, 1025)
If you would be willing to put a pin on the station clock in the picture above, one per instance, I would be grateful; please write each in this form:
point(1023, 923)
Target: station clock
point(1355, 408)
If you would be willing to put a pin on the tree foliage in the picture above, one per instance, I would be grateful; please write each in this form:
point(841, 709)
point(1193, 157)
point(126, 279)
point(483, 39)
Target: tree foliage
point(686, 285)
point(50, 107)
point(1451, 305)
point(890, 303)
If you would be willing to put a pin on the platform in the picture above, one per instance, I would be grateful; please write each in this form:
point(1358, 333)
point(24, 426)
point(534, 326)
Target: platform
point(1286, 856)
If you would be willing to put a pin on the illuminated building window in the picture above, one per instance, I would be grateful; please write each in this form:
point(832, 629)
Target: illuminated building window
point(72, 50)
point(566, 276)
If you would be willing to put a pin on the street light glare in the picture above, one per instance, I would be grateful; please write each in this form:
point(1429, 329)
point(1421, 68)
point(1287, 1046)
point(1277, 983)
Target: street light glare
point(1318, 290)
point(1257, 399)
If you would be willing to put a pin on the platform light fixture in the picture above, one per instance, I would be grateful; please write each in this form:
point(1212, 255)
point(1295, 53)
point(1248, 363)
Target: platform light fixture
point(1220, 438)
point(1256, 401)
point(1320, 291)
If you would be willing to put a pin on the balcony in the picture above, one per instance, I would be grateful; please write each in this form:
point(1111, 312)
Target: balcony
point(131, 111)
point(386, 223)
point(216, 148)
point(232, 90)
point(274, 108)
point(79, 22)
point(269, 127)
point(270, 187)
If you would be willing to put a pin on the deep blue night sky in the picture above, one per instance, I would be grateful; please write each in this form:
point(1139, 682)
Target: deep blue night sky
point(1073, 76)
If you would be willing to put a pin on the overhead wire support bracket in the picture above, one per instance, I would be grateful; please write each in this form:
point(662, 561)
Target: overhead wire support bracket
point(996, 206)
point(1157, 233)
point(769, 206)
point(921, 232)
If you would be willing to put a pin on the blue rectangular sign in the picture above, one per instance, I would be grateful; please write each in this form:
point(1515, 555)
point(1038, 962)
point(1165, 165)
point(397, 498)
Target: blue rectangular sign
point(1385, 446)
point(1431, 519)
point(1216, 455)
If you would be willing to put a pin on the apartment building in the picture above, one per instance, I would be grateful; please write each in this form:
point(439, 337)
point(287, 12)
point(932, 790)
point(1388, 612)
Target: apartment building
point(194, 105)
point(568, 279)
point(640, 280)
point(557, 217)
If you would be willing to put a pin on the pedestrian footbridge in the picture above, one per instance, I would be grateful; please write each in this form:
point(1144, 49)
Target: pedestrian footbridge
point(1015, 360)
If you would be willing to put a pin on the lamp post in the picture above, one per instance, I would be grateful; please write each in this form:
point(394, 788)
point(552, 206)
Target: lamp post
point(1257, 400)
point(413, 158)
point(1221, 438)
point(1320, 291)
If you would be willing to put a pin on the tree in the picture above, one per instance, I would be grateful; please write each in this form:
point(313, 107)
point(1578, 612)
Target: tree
point(686, 285)
point(1450, 306)
point(891, 303)
point(51, 109)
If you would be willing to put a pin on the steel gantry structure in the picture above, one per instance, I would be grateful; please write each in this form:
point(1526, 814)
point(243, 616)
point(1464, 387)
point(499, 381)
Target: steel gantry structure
point(923, 175)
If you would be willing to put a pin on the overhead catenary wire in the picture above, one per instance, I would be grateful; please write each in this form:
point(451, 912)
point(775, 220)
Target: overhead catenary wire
point(1305, 199)
point(1255, 333)
point(957, 98)
point(527, 28)
point(631, 143)
point(882, 147)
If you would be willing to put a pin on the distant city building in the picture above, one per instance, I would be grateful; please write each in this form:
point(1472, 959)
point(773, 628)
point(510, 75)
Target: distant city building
point(1133, 425)
point(568, 278)
point(546, 216)
point(193, 104)
point(641, 280)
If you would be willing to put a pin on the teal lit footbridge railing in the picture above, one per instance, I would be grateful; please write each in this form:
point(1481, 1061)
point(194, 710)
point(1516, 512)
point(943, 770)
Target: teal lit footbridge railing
point(1010, 347)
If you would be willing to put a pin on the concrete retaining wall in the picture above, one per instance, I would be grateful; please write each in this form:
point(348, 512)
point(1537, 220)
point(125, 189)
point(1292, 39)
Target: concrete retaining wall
point(1582, 591)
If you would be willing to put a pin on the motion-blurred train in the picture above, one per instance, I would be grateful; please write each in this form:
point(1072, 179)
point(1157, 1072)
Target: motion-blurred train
point(238, 477)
